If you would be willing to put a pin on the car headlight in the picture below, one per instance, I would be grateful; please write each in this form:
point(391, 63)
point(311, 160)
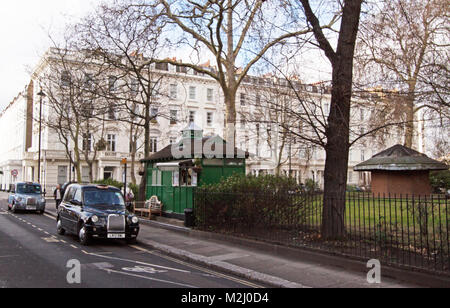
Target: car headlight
point(134, 220)
point(18, 199)
point(94, 219)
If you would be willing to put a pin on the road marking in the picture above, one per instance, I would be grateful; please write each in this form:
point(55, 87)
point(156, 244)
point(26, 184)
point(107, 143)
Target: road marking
point(73, 246)
point(148, 278)
point(137, 262)
point(51, 239)
point(48, 216)
point(201, 269)
point(33, 226)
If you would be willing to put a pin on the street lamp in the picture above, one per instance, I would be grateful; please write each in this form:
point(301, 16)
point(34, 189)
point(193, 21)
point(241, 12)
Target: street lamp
point(41, 95)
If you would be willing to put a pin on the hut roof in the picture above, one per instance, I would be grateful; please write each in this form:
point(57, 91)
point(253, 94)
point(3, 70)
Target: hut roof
point(400, 158)
point(166, 154)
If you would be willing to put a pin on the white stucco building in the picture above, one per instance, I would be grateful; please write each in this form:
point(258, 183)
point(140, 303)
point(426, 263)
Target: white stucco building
point(184, 96)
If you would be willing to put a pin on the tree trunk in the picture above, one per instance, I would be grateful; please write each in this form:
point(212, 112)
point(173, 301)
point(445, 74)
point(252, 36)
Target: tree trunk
point(143, 184)
point(337, 147)
point(133, 155)
point(230, 129)
point(409, 129)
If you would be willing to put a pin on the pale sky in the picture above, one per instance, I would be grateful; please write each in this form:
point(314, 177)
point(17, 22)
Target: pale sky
point(24, 27)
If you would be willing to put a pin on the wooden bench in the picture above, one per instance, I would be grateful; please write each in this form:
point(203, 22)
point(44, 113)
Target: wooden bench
point(151, 206)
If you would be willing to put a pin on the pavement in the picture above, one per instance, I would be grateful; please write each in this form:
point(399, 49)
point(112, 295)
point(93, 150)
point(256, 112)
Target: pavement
point(271, 265)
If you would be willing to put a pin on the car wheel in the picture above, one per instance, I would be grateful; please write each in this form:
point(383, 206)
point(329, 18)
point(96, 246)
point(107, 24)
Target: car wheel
point(40, 212)
point(59, 228)
point(9, 207)
point(83, 236)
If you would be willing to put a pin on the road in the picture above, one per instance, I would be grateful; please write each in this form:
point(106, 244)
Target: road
point(33, 255)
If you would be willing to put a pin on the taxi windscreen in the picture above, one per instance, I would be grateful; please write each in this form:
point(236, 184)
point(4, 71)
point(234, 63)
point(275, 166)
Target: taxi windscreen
point(28, 189)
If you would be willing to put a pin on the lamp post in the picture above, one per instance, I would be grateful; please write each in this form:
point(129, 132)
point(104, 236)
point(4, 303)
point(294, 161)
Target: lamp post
point(41, 95)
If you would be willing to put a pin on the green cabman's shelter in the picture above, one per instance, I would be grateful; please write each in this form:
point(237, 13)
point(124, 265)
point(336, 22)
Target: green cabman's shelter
point(174, 172)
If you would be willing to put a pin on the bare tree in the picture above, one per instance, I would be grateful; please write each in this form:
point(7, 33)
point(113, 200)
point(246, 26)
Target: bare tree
point(65, 79)
point(404, 47)
point(125, 44)
point(337, 130)
point(235, 33)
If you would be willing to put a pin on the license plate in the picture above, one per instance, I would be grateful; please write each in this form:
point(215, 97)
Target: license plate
point(116, 235)
point(31, 208)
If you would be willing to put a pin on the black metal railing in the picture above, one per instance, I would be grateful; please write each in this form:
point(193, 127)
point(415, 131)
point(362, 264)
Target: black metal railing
point(411, 231)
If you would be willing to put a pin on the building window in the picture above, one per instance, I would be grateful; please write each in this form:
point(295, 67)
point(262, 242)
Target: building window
point(88, 81)
point(243, 99)
point(209, 118)
point(173, 91)
point(191, 116)
point(154, 114)
point(153, 145)
point(65, 79)
point(134, 86)
point(243, 121)
point(173, 117)
point(362, 155)
point(111, 140)
point(162, 66)
point(87, 142)
point(181, 69)
point(192, 93)
point(258, 99)
point(361, 114)
point(209, 95)
point(85, 174)
point(112, 83)
point(112, 112)
point(327, 109)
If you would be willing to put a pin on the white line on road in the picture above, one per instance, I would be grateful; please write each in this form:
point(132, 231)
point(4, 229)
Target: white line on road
point(149, 278)
point(216, 274)
point(137, 262)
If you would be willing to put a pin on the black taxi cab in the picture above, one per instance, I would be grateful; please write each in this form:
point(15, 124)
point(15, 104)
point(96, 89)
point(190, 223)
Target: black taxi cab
point(96, 211)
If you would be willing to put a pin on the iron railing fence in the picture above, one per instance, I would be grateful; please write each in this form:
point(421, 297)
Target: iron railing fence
point(411, 231)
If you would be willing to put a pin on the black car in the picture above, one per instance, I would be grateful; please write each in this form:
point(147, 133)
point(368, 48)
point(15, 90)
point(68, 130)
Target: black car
point(96, 211)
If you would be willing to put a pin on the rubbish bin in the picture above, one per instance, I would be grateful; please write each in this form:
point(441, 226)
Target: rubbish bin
point(189, 218)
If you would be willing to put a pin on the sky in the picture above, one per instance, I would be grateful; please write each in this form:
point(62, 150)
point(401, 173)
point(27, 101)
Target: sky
point(24, 35)
point(24, 28)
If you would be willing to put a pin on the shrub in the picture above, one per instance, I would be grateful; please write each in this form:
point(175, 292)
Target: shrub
point(440, 181)
point(134, 188)
point(110, 182)
point(249, 202)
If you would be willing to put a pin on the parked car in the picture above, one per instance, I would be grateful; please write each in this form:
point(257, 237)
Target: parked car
point(26, 197)
point(96, 211)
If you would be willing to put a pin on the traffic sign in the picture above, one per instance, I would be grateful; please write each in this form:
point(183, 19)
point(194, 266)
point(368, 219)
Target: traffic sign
point(14, 172)
point(124, 161)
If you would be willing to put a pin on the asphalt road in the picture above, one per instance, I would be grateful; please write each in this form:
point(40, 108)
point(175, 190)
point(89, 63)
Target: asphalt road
point(33, 255)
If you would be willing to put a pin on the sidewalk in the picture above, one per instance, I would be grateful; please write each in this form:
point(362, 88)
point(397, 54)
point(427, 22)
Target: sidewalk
point(264, 263)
